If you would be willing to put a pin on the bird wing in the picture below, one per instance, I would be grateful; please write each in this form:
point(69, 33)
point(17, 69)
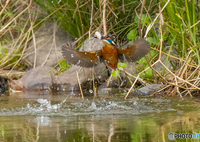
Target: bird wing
point(133, 53)
point(81, 58)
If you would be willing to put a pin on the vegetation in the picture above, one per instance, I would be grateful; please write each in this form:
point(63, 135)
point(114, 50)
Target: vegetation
point(171, 27)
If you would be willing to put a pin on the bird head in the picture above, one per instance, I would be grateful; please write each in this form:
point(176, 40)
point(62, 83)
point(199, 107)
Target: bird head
point(107, 40)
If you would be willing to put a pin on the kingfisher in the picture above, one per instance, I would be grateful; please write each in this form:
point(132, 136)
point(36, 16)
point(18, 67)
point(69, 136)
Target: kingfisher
point(110, 53)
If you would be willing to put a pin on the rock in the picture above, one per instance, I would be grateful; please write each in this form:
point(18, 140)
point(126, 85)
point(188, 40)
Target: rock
point(111, 91)
point(3, 85)
point(48, 38)
point(34, 79)
point(68, 80)
point(160, 68)
point(147, 90)
point(92, 44)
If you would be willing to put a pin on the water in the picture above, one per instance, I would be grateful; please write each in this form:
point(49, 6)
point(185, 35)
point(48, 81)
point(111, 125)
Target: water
point(33, 116)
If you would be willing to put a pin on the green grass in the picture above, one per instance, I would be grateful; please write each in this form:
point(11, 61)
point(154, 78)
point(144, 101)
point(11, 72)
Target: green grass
point(178, 26)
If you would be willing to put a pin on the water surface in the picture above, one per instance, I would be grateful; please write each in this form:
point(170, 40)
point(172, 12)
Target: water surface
point(33, 116)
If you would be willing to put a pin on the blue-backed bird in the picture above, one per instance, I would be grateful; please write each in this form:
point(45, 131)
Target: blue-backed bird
point(110, 53)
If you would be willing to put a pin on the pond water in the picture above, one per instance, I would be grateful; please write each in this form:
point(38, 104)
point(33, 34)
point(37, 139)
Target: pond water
point(33, 116)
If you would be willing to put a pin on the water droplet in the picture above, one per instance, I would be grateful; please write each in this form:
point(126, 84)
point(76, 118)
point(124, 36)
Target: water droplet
point(91, 91)
point(72, 55)
point(79, 61)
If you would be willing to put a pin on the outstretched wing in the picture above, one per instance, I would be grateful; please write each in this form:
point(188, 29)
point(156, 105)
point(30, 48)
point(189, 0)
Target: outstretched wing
point(133, 53)
point(81, 58)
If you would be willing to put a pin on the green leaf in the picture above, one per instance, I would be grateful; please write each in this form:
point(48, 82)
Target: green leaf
point(121, 65)
point(142, 75)
point(136, 19)
point(132, 34)
point(115, 73)
point(142, 61)
point(148, 73)
point(153, 41)
point(153, 53)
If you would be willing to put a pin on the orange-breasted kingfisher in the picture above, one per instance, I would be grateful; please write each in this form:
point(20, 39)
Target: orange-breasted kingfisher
point(110, 53)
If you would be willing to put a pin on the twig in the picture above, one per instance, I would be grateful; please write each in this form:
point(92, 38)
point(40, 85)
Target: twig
point(108, 83)
point(104, 17)
point(35, 49)
point(139, 79)
point(80, 16)
point(151, 25)
point(80, 85)
point(94, 87)
point(160, 90)
point(140, 19)
point(7, 2)
point(13, 19)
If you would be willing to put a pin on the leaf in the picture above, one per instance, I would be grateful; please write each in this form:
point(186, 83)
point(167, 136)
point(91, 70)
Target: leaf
point(132, 34)
point(142, 61)
point(136, 19)
point(153, 41)
point(142, 75)
point(115, 73)
point(121, 65)
point(148, 73)
point(153, 53)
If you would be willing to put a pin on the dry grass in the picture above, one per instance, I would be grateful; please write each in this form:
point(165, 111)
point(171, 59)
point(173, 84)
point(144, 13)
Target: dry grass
point(19, 22)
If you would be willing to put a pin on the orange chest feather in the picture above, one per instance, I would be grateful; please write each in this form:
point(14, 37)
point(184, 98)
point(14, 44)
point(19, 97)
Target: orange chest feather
point(110, 54)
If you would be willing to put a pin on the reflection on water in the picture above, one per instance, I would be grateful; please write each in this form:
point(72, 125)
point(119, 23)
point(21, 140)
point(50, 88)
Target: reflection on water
point(33, 117)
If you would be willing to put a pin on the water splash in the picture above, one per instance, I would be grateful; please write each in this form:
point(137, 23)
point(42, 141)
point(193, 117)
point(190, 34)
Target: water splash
point(68, 107)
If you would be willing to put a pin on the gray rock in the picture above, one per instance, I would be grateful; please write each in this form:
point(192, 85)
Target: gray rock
point(159, 67)
point(147, 90)
point(92, 44)
point(48, 38)
point(70, 80)
point(34, 79)
point(111, 91)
